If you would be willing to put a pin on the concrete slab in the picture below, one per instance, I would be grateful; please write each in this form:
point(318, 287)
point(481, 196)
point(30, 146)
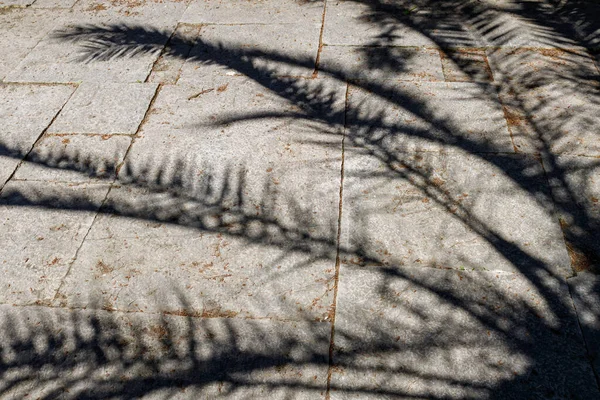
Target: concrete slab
point(25, 111)
point(260, 12)
point(466, 65)
point(382, 63)
point(258, 213)
point(425, 333)
point(585, 290)
point(253, 50)
point(105, 108)
point(428, 116)
point(451, 211)
point(44, 224)
point(74, 158)
point(391, 25)
point(575, 183)
point(101, 41)
point(102, 354)
point(20, 31)
point(551, 98)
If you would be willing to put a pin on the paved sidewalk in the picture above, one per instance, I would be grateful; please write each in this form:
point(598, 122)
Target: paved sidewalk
point(299, 199)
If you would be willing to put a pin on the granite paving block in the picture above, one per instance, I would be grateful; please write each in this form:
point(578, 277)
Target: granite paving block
point(25, 111)
point(43, 225)
point(256, 12)
point(426, 333)
point(253, 50)
point(389, 24)
point(385, 63)
point(88, 354)
point(74, 158)
point(575, 183)
point(20, 31)
point(167, 68)
point(456, 210)
point(103, 41)
point(105, 108)
point(466, 65)
point(428, 116)
point(551, 97)
point(257, 202)
point(585, 290)
point(523, 24)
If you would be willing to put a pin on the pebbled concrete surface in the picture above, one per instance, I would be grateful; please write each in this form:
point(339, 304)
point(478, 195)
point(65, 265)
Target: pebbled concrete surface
point(299, 199)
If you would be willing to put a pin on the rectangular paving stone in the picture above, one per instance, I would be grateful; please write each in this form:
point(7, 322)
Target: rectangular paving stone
point(253, 50)
point(585, 290)
point(74, 158)
point(25, 111)
point(106, 354)
point(43, 225)
point(428, 116)
point(575, 183)
point(466, 65)
point(524, 24)
point(385, 63)
point(105, 108)
point(551, 97)
point(20, 31)
point(88, 43)
point(259, 12)
point(15, 3)
point(257, 202)
point(426, 333)
point(391, 24)
point(451, 211)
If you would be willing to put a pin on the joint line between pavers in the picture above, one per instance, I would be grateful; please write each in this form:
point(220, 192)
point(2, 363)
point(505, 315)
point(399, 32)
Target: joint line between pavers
point(320, 47)
point(39, 138)
point(162, 51)
point(337, 256)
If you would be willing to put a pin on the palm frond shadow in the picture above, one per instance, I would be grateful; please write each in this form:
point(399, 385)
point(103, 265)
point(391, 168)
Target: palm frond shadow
point(483, 322)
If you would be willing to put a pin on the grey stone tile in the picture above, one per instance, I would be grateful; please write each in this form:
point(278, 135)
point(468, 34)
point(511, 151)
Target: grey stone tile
point(368, 24)
point(74, 158)
point(107, 354)
point(526, 24)
point(426, 333)
point(457, 210)
point(253, 50)
point(167, 68)
point(44, 225)
point(409, 116)
point(552, 97)
point(20, 31)
point(25, 111)
point(105, 108)
point(257, 201)
point(575, 183)
point(385, 63)
point(585, 290)
point(261, 12)
point(101, 42)
point(466, 65)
